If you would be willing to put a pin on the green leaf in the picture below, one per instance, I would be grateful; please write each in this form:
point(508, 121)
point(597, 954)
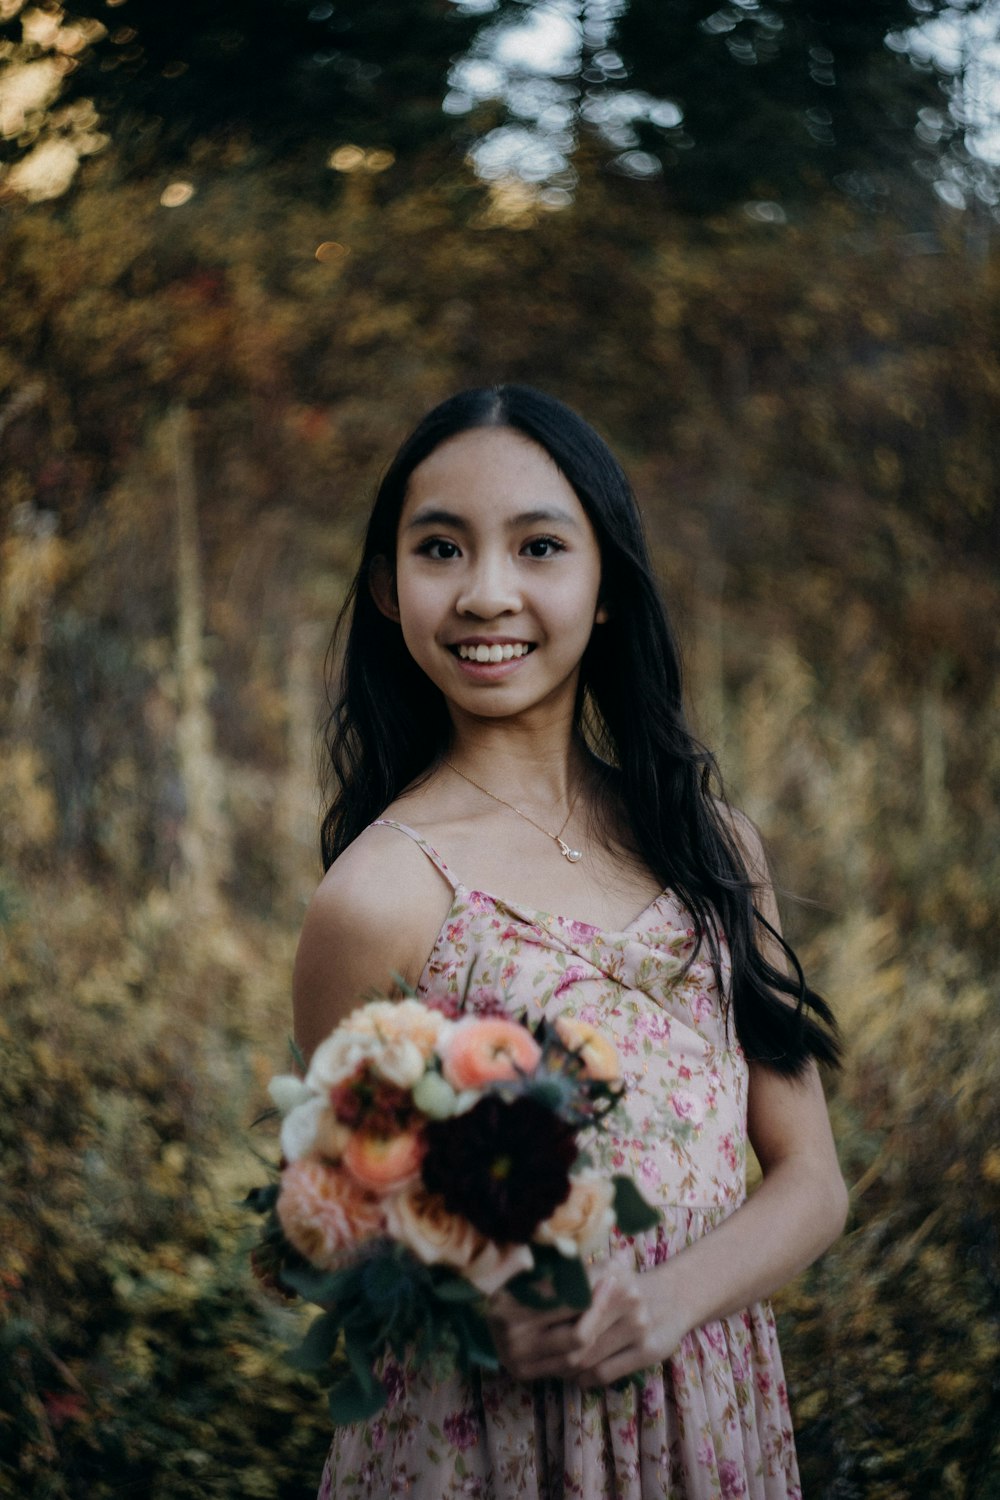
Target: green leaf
point(359, 1356)
point(537, 1287)
point(529, 1289)
point(571, 1282)
point(383, 1279)
point(456, 1289)
point(267, 1114)
point(316, 1349)
point(260, 1200)
point(297, 1057)
point(348, 1401)
point(632, 1213)
point(475, 1340)
point(313, 1285)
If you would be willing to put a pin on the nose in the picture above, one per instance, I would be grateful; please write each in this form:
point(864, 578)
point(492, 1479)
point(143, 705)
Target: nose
point(489, 589)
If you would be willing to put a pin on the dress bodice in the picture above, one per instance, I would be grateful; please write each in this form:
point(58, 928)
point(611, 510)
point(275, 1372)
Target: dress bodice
point(681, 1129)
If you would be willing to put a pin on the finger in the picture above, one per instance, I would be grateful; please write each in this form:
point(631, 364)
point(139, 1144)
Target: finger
point(624, 1362)
point(611, 1302)
point(532, 1331)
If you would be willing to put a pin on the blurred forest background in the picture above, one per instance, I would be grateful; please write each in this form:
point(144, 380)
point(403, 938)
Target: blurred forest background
point(243, 247)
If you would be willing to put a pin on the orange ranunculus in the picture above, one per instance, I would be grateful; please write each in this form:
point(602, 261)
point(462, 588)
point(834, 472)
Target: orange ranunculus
point(383, 1163)
point(420, 1221)
point(324, 1212)
point(484, 1050)
point(597, 1053)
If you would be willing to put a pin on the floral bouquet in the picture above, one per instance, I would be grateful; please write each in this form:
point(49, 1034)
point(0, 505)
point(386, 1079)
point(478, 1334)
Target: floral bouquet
point(429, 1161)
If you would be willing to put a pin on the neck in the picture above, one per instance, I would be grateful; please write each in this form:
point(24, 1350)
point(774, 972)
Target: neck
point(530, 769)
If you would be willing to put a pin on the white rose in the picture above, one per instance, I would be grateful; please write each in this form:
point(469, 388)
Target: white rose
point(337, 1058)
point(300, 1128)
point(287, 1091)
point(400, 1062)
point(312, 1129)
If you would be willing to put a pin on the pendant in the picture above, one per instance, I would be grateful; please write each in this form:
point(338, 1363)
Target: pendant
point(567, 853)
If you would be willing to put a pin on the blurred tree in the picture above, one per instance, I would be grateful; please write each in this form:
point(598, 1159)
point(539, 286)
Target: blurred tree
point(748, 101)
point(285, 80)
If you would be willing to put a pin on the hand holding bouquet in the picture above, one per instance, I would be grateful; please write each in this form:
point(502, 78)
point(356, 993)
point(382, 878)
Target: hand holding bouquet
point(427, 1163)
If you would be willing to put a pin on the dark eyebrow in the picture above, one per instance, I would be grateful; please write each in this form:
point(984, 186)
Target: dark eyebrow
point(432, 516)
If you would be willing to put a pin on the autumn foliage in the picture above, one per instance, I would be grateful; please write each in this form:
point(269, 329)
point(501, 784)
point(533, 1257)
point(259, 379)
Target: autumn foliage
point(194, 402)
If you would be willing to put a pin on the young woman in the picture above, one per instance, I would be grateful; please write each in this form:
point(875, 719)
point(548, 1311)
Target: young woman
point(518, 799)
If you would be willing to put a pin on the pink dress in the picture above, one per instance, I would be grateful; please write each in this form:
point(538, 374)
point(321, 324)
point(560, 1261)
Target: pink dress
point(712, 1423)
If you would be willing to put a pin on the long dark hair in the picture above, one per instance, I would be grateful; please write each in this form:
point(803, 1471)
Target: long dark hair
point(390, 724)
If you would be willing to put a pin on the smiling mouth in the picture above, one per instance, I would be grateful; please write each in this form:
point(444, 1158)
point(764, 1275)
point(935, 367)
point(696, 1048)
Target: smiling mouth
point(494, 653)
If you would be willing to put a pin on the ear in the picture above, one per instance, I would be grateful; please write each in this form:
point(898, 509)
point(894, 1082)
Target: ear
point(382, 584)
point(603, 615)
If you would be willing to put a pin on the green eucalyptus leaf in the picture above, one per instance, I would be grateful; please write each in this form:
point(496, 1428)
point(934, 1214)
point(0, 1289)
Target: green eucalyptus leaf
point(315, 1351)
point(633, 1214)
point(476, 1341)
point(349, 1401)
point(360, 1353)
point(456, 1289)
point(313, 1285)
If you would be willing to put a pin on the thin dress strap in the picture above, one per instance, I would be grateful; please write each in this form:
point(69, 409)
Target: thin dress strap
point(421, 843)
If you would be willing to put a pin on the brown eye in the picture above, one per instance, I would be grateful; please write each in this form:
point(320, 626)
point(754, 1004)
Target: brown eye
point(438, 549)
point(543, 546)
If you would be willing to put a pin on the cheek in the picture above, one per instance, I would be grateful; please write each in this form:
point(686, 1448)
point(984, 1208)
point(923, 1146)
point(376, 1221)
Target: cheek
point(573, 605)
point(419, 611)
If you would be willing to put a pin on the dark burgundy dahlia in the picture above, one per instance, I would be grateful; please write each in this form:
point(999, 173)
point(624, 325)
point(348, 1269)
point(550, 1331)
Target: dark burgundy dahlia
point(503, 1166)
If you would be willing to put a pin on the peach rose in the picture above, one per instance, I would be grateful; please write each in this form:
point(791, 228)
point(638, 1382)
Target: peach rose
point(482, 1050)
point(420, 1221)
point(597, 1053)
point(401, 1020)
point(397, 1037)
point(581, 1224)
point(383, 1163)
point(323, 1212)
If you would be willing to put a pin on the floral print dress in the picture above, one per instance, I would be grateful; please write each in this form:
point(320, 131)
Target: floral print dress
point(712, 1422)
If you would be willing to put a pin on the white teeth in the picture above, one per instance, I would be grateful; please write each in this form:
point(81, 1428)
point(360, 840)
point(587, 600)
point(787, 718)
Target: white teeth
point(492, 653)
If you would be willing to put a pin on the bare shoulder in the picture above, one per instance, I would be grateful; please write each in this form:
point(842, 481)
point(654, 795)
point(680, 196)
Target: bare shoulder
point(748, 840)
point(374, 915)
point(751, 845)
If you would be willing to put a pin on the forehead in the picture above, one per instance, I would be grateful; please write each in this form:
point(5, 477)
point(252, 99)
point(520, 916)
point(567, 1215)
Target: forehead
point(488, 468)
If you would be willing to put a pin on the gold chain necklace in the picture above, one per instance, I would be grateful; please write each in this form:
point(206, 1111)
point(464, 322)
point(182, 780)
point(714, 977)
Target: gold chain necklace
point(567, 853)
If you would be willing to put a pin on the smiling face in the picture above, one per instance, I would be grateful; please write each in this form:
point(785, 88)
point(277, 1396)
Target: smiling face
point(498, 573)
